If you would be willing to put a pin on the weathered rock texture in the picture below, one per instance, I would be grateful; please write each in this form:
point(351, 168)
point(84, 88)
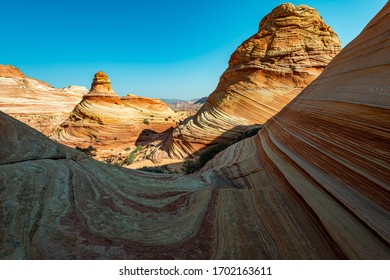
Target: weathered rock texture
point(103, 106)
point(9, 71)
point(291, 48)
point(105, 120)
point(35, 102)
point(313, 184)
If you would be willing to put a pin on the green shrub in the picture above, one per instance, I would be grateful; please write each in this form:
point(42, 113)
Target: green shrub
point(191, 166)
point(211, 152)
point(130, 158)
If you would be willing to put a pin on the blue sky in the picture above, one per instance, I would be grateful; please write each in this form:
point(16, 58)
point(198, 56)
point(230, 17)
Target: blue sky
point(166, 49)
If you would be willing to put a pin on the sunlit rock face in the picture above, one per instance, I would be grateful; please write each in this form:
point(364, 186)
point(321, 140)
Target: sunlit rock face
point(34, 102)
point(328, 150)
point(106, 120)
point(290, 49)
point(314, 183)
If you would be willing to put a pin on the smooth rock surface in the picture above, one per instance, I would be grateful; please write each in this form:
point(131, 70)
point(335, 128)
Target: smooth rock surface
point(314, 183)
point(290, 49)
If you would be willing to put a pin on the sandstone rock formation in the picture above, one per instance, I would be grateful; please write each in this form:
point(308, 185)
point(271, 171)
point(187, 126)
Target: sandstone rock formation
point(313, 184)
point(35, 102)
point(107, 121)
point(9, 71)
point(290, 49)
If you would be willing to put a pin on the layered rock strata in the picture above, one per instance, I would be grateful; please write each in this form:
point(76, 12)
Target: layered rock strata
point(34, 102)
point(314, 183)
point(105, 120)
point(290, 49)
point(104, 106)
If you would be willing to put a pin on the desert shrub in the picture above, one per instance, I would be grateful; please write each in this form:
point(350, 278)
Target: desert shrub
point(115, 138)
point(127, 149)
point(150, 155)
point(146, 121)
point(89, 151)
point(156, 169)
point(211, 152)
point(130, 158)
point(250, 132)
point(109, 159)
point(166, 119)
point(191, 166)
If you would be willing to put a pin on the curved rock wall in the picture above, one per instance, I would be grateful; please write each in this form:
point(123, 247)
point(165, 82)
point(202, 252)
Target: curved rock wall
point(291, 48)
point(329, 149)
point(313, 184)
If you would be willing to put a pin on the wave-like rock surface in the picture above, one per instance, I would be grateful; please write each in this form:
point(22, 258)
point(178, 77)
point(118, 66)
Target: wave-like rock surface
point(329, 149)
point(290, 49)
point(34, 102)
point(314, 183)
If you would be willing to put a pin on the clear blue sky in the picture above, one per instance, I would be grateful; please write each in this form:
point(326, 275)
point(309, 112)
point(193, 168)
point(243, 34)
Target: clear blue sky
point(155, 48)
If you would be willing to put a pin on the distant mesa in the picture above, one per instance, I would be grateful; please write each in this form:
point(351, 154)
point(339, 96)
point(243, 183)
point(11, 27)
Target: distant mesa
point(290, 49)
point(201, 100)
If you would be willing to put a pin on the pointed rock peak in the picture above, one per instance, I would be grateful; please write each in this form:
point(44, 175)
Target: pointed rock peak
point(101, 83)
point(289, 37)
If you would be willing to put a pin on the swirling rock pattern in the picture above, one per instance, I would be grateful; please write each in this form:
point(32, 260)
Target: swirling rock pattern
point(329, 149)
point(314, 183)
point(34, 102)
point(290, 49)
